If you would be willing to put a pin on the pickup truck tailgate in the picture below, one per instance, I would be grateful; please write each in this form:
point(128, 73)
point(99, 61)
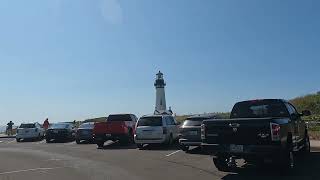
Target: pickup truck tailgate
point(113, 127)
point(238, 131)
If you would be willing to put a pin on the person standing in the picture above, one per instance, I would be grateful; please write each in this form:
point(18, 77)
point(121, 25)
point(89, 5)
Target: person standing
point(46, 124)
point(9, 128)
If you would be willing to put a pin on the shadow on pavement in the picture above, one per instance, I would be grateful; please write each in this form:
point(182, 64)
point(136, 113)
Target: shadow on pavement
point(308, 168)
point(197, 150)
point(162, 147)
point(117, 145)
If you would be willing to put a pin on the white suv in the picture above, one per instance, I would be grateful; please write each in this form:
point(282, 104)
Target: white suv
point(33, 131)
point(156, 129)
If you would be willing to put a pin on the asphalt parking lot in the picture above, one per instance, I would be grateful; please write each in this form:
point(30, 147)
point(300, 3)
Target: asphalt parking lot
point(39, 161)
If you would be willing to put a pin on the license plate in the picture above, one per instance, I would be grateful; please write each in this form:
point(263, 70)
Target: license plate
point(236, 148)
point(85, 132)
point(108, 135)
point(193, 133)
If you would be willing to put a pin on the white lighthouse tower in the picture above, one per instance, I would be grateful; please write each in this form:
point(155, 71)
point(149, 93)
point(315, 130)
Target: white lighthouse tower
point(161, 106)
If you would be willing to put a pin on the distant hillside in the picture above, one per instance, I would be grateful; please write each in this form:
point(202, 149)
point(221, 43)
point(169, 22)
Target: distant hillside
point(100, 119)
point(309, 102)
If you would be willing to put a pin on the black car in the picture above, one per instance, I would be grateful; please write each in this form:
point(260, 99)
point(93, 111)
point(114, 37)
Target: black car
point(258, 131)
point(84, 133)
point(190, 131)
point(60, 132)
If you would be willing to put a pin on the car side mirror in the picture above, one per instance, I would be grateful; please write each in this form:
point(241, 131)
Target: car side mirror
point(306, 113)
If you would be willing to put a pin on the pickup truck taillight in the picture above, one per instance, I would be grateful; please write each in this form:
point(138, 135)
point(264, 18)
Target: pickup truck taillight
point(203, 131)
point(275, 131)
point(165, 131)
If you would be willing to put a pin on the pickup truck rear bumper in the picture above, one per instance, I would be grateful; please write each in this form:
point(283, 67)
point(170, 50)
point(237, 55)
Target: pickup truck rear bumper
point(258, 150)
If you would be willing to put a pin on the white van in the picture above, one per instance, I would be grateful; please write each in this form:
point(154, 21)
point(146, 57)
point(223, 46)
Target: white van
point(33, 131)
point(156, 129)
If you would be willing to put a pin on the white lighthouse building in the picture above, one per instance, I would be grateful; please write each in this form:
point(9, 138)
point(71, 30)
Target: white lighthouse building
point(161, 106)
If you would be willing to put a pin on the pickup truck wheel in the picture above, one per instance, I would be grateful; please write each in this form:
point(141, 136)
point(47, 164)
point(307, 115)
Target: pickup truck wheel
point(100, 144)
point(307, 147)
point(221, 163)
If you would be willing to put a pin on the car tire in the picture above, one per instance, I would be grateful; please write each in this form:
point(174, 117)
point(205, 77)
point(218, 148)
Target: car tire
point(78, 141)
point(140, 146)
point(184, 148)
point(221, 163)
point(18, 140)
point(100, 144)
point(48, 140)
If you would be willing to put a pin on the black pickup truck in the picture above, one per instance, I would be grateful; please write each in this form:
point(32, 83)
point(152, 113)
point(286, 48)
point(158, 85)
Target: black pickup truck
point(258, 131)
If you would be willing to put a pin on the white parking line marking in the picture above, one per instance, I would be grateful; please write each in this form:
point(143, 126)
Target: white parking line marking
point(1, 141)
point(72, 143)
point(28, 170)
point(173, 153)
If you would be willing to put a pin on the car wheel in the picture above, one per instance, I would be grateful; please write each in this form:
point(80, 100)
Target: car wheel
point(78, 141)
point(221, 163)
point(100, 144)
point(48, 140)
point(184, 148)
point(140, 146)
point(18, 140)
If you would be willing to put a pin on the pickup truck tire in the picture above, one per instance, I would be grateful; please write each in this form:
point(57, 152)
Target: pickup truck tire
point(100, 144)
point(221, 163)
point(288, 159)
point(307, 147)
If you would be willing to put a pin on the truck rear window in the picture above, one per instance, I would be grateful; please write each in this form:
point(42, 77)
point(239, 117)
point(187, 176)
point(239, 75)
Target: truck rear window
point(27, 126)
point(150, 121)
point(124, 117)
point(259, 109)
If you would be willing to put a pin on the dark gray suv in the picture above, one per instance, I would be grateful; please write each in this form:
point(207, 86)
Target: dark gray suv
point(190, 131)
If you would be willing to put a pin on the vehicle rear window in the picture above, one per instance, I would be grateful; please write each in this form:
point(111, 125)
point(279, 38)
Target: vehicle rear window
point(259, 109)
point(194, 121)
point(27, 126)
point(125, 117)
point(150, 121)
point(87, 126)
point(60, 126)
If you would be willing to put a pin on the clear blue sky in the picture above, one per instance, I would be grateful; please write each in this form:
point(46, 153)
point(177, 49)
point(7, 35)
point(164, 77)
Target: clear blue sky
point(79, 59)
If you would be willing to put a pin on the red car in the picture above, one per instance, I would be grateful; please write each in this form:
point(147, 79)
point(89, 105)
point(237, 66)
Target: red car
point(118, 127)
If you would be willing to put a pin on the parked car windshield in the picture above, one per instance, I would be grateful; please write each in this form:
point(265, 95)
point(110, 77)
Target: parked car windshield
point(259, 109)
point(87, 126)
point(122, 117)
point(150, 121)
point(27, 126)
point(60, 126)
